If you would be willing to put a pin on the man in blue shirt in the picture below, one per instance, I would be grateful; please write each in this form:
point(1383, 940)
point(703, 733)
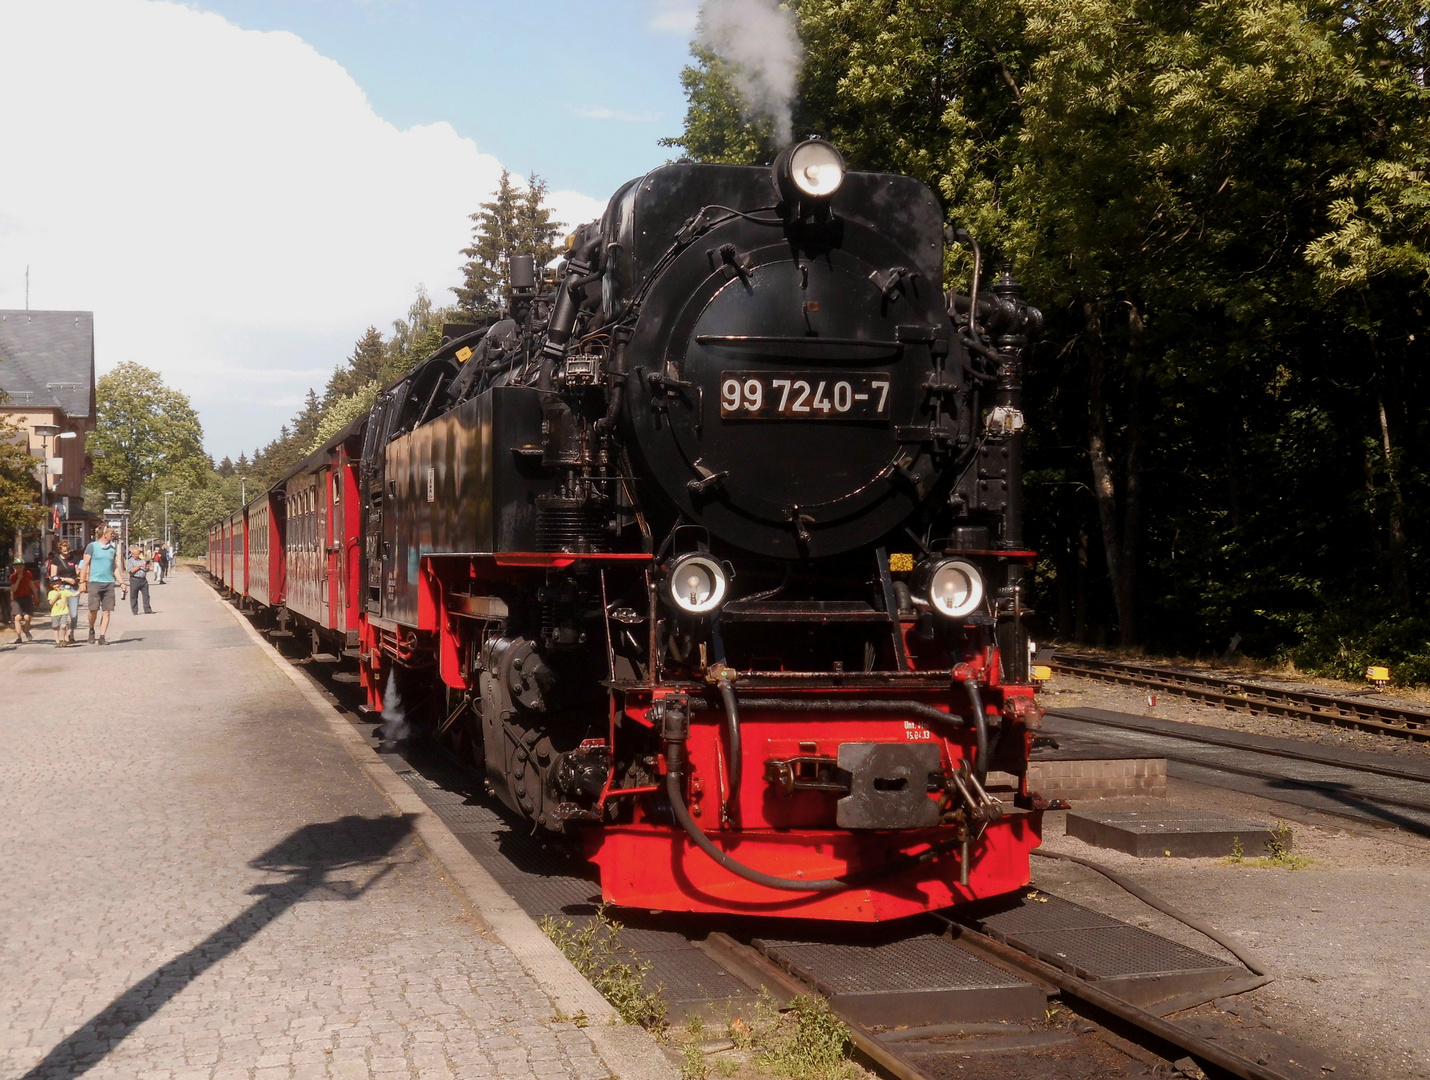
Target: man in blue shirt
point(96, 574)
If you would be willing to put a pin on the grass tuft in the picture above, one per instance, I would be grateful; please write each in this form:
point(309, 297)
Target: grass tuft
point(1279, 853)
point(692, 1063)
point(806, 1042)
point(614, 970)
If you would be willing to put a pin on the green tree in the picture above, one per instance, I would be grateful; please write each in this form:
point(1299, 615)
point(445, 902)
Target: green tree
point(343, 412)
point(718, 127)
point(515, 221)
point(19, 487)
point(366, 364)
point(145, 430)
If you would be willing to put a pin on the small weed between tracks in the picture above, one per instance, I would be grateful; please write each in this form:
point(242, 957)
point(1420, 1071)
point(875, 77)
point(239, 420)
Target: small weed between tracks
point(597, 953)
point(1279, 852)
point(692, 1062)
point(806, 1041)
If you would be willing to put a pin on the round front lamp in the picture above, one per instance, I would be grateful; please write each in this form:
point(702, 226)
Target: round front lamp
point(953, 587)
point(809, 171)
point(695, 584)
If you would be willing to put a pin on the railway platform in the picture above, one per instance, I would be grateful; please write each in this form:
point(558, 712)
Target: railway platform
point(204, 881)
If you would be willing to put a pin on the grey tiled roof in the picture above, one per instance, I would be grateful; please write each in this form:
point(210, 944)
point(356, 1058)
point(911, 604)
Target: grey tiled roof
point(47, 359)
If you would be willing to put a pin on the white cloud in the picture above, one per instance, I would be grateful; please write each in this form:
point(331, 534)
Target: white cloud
point(226, 201)
point(600, 112)
point(571, 208)
point(674, 16)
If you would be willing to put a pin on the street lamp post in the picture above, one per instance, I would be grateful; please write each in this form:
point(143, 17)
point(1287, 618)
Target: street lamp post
point(166, 515)
point(45, 432)
point(62, 435)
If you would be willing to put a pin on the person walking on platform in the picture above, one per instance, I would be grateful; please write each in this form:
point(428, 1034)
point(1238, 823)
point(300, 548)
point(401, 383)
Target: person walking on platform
point(22, 599)
point(168, 561)
point(158, 565)
point(138, 567)
point(97, 577)
point(60, 571)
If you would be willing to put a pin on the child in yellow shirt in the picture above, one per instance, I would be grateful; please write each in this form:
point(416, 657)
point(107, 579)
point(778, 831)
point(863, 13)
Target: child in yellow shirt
point(59, 597)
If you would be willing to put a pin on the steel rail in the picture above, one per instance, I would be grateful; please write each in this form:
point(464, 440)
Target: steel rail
point(745, 960)
point(1230, 744)
point(1254, 698)
point(1202, 1049)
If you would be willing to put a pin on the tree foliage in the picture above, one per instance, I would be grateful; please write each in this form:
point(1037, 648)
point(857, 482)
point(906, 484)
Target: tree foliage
point(515, 221)
point(19, 485)
point(146, 432)
point(1222, 206)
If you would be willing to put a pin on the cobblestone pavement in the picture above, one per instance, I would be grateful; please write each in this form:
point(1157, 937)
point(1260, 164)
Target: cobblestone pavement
point(198, 883)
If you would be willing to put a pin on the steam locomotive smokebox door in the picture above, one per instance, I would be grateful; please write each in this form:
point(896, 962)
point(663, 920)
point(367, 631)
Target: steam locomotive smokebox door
point(807, 349)
point(889, 786)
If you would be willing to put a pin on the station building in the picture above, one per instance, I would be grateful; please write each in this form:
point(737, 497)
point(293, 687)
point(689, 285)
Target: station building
point(47, 397)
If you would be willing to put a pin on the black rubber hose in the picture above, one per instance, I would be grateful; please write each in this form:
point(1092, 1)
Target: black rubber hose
point(980, 726)
point(607, 423)
point(732, 726)
point(1254, 965)
point(749, 873)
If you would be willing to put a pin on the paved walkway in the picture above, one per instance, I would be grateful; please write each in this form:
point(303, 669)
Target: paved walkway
point(199, 883)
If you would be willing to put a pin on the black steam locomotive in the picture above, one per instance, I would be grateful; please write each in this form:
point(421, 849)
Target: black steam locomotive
point(711, 548)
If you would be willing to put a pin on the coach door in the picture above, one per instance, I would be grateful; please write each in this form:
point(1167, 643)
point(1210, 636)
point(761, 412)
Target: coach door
point(324, 545)
point(334, 589)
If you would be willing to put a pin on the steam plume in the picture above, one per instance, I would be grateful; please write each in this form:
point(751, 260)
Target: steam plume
point(394, 716)
point(757, 39)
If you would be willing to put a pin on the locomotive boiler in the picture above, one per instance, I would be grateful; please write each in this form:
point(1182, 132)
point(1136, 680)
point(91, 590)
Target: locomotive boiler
point(709, 551)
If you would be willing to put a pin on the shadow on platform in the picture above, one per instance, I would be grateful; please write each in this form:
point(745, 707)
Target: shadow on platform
point(307, 856)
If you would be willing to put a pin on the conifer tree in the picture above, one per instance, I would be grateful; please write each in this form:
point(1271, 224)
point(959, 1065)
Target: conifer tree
point(365, 365)
point(306, 422)
point(514, 221)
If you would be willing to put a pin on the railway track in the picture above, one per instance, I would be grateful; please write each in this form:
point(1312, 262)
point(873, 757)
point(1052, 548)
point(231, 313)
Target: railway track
point(1339, 784)
point(926, 1052)
point(1360, 711)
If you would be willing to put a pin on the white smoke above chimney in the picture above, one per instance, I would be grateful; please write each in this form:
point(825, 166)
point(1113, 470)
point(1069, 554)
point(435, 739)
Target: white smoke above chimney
point(757, 38)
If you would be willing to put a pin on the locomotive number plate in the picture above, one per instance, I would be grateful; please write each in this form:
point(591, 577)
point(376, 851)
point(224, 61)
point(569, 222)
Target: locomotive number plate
point(803, 395)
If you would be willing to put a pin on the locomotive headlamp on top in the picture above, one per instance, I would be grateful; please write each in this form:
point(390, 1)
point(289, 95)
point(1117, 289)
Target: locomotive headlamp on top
point(695, 584)
point(952, 587)
point(809, 171)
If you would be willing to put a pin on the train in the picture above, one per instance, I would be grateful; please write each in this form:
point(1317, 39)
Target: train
point(708, 552)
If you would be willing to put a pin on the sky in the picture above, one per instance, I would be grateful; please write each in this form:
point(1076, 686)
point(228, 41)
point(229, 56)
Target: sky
point(238, 188)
